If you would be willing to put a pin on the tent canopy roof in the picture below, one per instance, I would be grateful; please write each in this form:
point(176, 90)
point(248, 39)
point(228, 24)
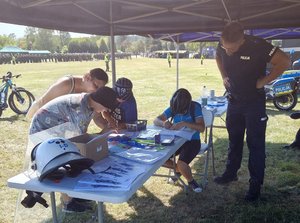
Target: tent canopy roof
point(274, 33)
point(39, 52)
point(12, 49)
point(144, 17)
point(15, 49)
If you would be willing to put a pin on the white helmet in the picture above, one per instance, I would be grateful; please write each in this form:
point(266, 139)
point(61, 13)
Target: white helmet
point(48, 156)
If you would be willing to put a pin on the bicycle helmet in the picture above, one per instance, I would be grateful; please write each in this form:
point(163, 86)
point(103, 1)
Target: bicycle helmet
point(123, 87)
point(49, 156)
point(180, 102)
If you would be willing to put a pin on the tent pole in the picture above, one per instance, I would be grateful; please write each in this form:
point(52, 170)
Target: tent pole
point(112, 47)
point(177, 63)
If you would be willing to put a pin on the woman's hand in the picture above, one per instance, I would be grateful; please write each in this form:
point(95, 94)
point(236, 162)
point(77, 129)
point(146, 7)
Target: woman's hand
point(178, 126)
point(167, 125)
point(110, 121)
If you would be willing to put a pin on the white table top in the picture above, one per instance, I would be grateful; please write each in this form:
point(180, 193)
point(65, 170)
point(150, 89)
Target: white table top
point(29, 181)
point(218, 110)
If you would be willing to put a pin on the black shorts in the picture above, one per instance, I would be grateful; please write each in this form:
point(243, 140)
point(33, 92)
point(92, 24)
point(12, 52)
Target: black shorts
point(188, 151)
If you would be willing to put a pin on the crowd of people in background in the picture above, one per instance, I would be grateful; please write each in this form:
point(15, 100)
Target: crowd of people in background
point(9, 58)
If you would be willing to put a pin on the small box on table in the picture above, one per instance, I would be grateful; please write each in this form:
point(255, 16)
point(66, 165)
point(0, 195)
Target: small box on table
point(93, 146)
point(137, 125)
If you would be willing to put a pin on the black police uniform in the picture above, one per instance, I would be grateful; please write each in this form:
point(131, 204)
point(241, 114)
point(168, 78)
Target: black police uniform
point(246, 107)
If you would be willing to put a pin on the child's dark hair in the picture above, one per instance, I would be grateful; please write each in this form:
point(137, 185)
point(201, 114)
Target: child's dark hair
point(99, 74)
point(180, 102)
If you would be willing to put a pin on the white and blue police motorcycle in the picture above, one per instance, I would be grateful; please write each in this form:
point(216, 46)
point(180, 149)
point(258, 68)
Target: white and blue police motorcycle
point(284, 90)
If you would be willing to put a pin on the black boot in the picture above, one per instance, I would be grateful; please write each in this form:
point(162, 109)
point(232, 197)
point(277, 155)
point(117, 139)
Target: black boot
point(296, 143)
point(254, 191)
point(295, 115)
point(225, 178)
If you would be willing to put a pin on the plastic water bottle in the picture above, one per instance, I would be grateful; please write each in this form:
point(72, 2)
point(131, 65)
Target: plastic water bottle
point(204, 96)
point(204, 92)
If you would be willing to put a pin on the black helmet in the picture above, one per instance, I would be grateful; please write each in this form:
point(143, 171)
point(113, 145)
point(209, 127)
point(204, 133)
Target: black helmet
point(123, 87)
point(180, 101)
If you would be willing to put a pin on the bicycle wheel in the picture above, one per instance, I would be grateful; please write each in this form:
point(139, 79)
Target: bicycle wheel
point(20, 100)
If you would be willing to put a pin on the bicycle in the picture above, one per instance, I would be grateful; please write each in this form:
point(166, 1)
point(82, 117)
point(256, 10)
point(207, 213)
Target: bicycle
point(19, 99)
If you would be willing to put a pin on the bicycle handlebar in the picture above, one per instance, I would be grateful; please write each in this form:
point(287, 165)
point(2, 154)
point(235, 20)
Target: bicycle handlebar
point(9, 76)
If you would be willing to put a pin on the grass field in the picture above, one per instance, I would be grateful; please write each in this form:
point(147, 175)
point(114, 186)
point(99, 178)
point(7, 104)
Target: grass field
point(154, 82)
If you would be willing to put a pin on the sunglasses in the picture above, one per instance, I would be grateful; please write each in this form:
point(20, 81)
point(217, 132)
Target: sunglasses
point(232, 47)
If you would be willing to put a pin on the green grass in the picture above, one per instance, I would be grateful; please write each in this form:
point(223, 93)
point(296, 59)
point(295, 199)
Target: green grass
point(158, 201)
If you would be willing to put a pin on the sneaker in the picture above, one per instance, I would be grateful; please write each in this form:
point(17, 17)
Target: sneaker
point(225, 178)
point(73, 206)
point(195, 186)
point(254, 192)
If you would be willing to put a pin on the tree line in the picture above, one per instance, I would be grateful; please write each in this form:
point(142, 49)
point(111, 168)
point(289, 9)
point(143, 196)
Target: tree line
point(62, 42)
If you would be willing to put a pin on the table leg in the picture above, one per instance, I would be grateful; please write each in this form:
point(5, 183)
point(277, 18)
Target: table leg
point(53, 207)
point(221, 126)
point(100, 212)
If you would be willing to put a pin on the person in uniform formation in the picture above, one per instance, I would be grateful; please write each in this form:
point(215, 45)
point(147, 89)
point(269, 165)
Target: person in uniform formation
point(106, 60)
point(36, 57)
point(169, 58)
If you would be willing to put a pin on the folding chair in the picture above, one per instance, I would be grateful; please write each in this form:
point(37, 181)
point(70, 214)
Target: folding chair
point(207, 146)
point(172, 173)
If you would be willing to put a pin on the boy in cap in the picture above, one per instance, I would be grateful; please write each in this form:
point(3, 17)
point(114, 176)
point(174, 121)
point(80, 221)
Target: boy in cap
point(127, 110)
point(79, 110)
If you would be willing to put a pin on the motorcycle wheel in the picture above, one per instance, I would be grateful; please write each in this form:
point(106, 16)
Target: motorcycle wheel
point(20, 101)
point(286, 102)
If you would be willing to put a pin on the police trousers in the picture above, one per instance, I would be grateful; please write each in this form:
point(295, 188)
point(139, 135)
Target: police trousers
point(249, 118)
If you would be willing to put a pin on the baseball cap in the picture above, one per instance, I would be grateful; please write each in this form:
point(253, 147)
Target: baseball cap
point(105, 96)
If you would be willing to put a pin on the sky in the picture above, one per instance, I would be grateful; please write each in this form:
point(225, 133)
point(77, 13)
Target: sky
point(6, 29)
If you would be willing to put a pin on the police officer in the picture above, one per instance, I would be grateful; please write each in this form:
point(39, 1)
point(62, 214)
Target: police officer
point(169, 58)
point(242, 61)
point(106, 59)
